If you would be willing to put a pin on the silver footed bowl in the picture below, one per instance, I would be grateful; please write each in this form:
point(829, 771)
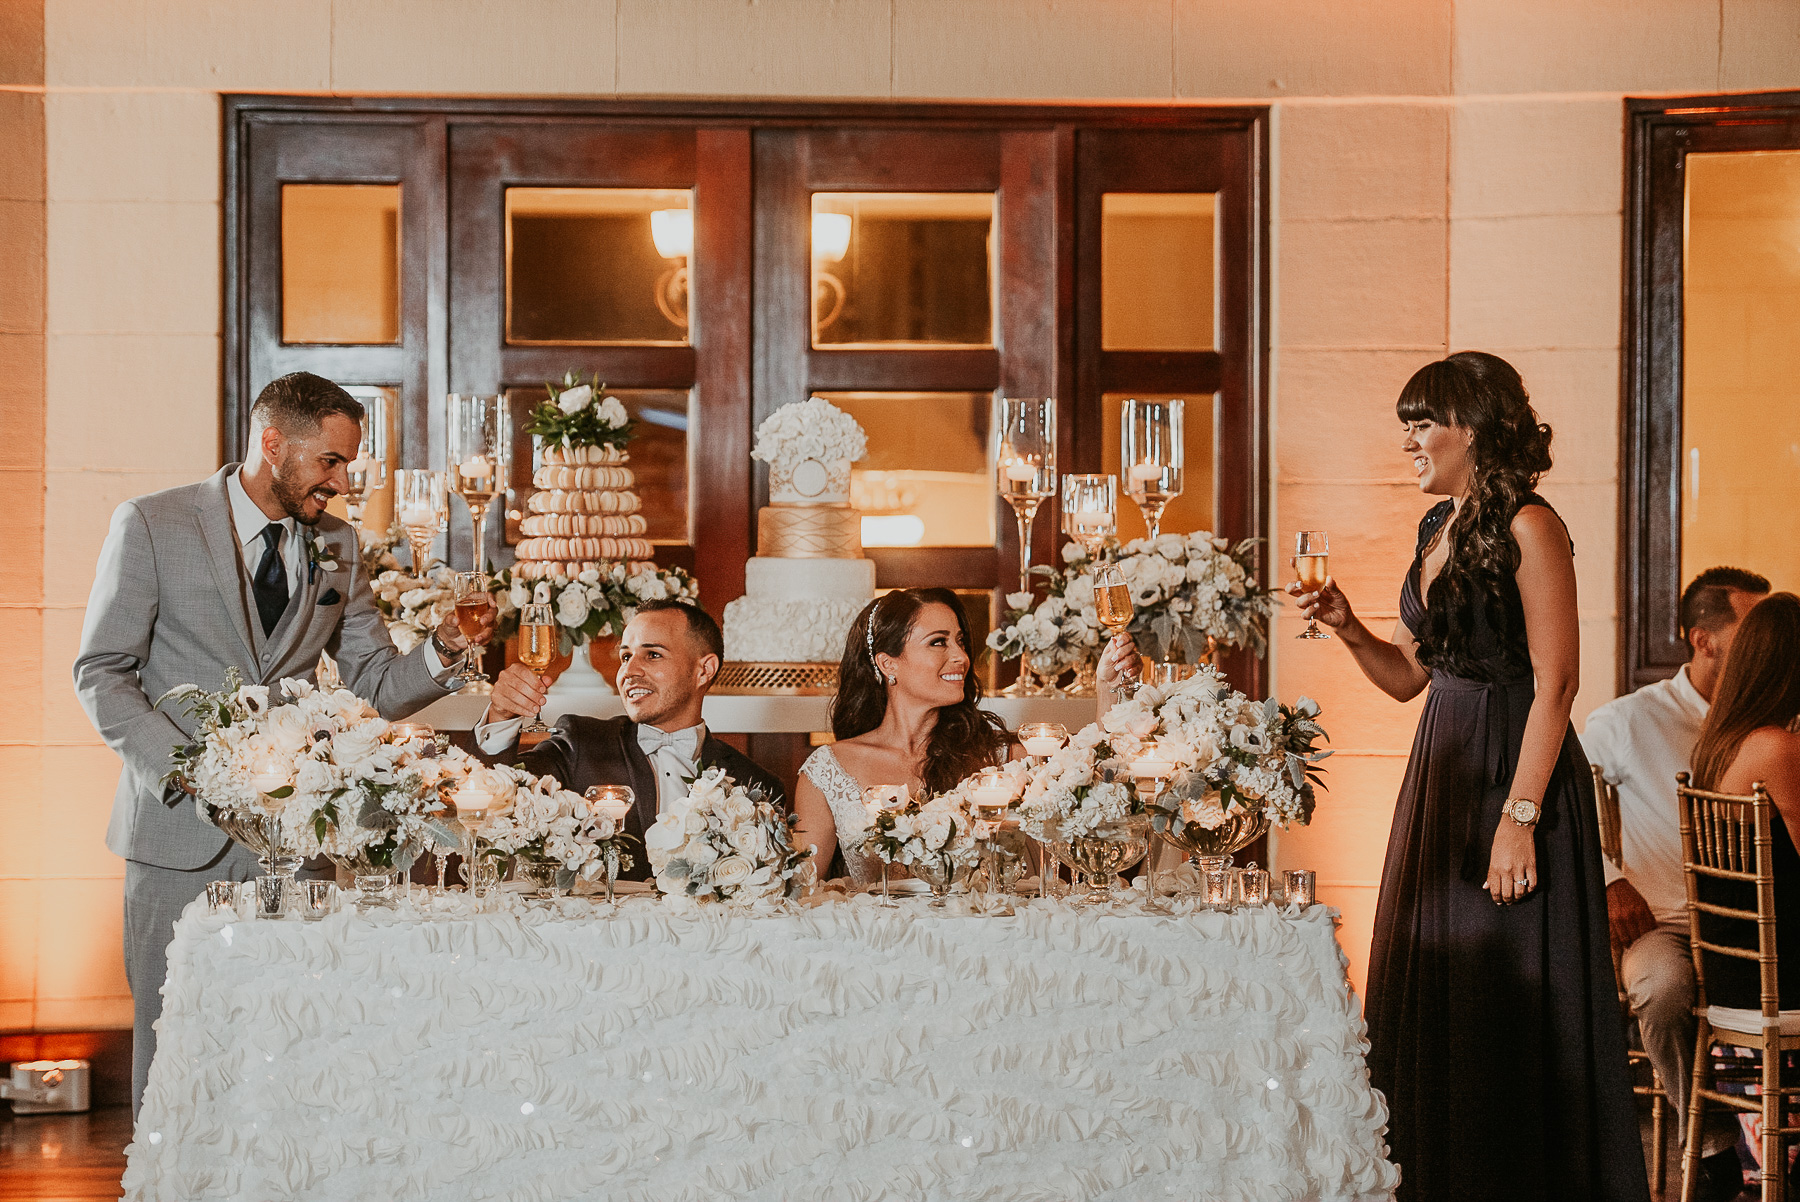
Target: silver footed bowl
point(1104, 852)
point(1239, 830)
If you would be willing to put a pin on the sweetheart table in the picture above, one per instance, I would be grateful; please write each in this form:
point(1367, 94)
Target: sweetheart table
point(841, 1051)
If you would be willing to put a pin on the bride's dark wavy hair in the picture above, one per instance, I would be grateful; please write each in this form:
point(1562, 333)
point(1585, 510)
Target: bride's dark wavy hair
point(1510, 450)
point(965, 738)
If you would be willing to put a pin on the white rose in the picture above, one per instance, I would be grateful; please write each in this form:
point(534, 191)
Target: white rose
point(731, 872)
point(1171, 546)
point(612, 412)
point(664, 835)
point(572, 400)
point(354, 749)
point(700, 853)
point(287, 728)
point(1018, 600)
point(572, 607)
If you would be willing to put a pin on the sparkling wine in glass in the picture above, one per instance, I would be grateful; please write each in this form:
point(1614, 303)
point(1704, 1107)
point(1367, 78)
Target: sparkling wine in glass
point(1152, 454)
point(1090, 510)
point(423, 506)
point(472, 605)
point(539, 642)
point(1312, 549)
point(1112, 605)
point(479, 438)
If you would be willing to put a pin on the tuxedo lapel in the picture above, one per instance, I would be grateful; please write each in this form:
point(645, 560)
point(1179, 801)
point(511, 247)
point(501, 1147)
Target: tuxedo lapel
point(643, 776)
point(214, 515)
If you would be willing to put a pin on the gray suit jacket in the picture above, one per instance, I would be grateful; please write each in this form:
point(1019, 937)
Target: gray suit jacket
point(172, 605)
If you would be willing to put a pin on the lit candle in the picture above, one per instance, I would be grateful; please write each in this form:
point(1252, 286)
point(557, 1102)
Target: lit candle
point(1151, 767)
point(1302, 886)
point(1146, 471)
point(1020, 472)
point(268, 777)
point(418, 515)
point(1042, 745)
point(1092, 517)
point(610, 801)
point(405, 732)
point(472, 796)
point(360, 463)
point(477, 467)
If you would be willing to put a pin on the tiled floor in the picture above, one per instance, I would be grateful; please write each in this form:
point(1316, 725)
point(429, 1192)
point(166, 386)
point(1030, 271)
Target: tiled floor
point(79, 1157)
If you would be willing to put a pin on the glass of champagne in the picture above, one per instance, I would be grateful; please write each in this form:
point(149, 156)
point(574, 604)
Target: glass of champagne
point(1312, 549)
point(1112, 606)
point(420, 501)
point(479, 439)
point(539, 641)
point(1151, 453)
point(472, 605)
point(1090, 510)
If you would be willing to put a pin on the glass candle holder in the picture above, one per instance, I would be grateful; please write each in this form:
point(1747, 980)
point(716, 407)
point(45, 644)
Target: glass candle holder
point(1090, 509)
point(1254, 884)
point(316, 901)
point(1302, 886)
point(222, 895)
point(1215, 888)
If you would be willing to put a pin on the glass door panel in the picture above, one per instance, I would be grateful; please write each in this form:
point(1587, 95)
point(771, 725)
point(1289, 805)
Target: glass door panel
point(906, 269)
point(1158, 279)
point(926, 481)
point(378, 503)
point(592, 266)
point(340, 263)
point(1740, 409)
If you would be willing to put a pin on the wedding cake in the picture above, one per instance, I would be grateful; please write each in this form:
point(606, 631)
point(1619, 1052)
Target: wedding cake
point(584, 513)
point(809, 579)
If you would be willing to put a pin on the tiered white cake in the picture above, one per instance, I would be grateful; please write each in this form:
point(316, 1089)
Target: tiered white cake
point(809, 579)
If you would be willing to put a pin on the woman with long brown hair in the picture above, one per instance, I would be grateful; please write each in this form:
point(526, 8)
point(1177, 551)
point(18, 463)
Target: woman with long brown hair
point(1746, 739)
point(1494, 1025)
point(907, 713)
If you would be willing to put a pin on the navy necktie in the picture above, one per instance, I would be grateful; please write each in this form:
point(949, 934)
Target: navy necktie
point(270, 584)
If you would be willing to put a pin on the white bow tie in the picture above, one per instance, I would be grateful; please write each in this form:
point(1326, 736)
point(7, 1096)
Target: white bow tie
point(682, 743)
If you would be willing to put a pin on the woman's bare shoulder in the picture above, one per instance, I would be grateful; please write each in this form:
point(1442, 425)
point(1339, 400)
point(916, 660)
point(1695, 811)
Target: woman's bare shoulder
point(1768, 747)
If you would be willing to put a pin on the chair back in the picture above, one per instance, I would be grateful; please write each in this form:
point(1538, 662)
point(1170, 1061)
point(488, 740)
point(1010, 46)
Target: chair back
point(1606, 805)
point(1730, 837)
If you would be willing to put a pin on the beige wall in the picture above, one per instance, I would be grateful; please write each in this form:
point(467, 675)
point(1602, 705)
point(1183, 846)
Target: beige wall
point(1447, 175)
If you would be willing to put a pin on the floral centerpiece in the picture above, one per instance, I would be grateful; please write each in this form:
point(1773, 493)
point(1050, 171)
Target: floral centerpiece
point(577, 415)
point(599, 602)
point(549, 829)
point(1240, 764)
point(1190, 594)
point(722, 842)
point(1078, 790)
point(412, 605)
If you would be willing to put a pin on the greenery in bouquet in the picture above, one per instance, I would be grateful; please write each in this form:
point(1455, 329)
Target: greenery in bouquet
point(1082, 787)
point(724, 842)
point(576, 415)
point(536, 818)
point(1233, 755)
point(1188, 592)
point(346, 785)
point(597, 603)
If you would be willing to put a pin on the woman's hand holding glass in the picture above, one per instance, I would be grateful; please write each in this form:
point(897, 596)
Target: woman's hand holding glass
point(1328, 606)
point(1120, 666)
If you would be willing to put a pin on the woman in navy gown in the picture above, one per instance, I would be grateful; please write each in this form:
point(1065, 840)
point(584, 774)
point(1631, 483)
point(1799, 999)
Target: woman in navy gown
point(1494, 1023)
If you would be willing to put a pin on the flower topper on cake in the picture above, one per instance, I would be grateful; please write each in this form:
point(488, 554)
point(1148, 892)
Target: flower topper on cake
point(576, 415)
point(809, 447)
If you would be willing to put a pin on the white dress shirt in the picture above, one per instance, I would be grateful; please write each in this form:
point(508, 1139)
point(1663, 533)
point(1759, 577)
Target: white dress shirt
point(249, 521)
point(1640, 741)
point(673, 755)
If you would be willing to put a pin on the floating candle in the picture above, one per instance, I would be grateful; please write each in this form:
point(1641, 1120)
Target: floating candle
point(418, 515)
point(1020, 472)
point(610, 801)
point(1146, 471)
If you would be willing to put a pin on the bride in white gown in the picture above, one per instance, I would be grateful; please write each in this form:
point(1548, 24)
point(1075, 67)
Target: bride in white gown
point(906, 714)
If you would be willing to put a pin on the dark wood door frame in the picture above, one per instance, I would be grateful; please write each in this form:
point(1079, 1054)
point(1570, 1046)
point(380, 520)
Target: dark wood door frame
point(1660, 134)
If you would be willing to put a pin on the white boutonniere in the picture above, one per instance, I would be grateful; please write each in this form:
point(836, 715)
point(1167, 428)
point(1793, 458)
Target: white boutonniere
point(318, 555)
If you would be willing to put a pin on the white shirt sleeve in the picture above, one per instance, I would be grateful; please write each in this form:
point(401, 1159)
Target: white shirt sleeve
point(1601, 739)
point(495, 737)
point(440, 671)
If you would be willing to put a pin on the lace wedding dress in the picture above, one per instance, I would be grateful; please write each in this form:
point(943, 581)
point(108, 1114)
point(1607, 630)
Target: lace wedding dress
point(845, 798)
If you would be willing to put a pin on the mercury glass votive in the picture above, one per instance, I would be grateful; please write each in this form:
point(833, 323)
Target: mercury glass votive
point(222, 895)
point(316, 899)
point(1302, 886)
point(1254, 884)
point(1215, 888)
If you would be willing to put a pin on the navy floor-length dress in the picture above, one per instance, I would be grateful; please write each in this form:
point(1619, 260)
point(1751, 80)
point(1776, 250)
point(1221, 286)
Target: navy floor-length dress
point(1495, 1032)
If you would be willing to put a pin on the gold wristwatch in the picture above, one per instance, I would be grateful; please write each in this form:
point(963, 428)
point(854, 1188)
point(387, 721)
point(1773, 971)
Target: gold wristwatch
point(1522, 810)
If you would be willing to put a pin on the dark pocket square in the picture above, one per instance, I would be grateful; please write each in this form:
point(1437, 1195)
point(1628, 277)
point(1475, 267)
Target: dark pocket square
point(331, 597)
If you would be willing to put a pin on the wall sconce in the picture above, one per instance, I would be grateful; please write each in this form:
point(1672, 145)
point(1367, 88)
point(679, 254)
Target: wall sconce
point(672, 231)
point(830, 243)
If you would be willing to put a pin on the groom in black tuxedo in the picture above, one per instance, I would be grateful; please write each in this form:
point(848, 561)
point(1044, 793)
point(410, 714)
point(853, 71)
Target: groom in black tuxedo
point(668, 656)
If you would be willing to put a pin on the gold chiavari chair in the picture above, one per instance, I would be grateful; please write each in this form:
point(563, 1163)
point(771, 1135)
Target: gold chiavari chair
point(1728, 837)
point(1606, 803)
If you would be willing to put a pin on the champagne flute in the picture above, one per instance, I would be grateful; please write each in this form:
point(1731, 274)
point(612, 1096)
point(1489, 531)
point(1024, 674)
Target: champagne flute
point(472, 605)
point(423, 508)
point(479, 438)
point(539, 641)
point(1112, 606)
point(1152, 451)
point(1311, 552)
point(1090, 510)
point(367, 473)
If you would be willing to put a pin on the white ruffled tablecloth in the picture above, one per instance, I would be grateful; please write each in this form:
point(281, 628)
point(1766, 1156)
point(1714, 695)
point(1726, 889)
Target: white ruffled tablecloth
point(839, 1053)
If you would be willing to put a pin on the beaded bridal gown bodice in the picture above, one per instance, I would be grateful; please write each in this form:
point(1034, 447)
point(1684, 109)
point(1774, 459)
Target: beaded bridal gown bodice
point(844, 796)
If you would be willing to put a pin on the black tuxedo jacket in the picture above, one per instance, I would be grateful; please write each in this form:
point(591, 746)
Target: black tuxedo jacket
point(587, 751)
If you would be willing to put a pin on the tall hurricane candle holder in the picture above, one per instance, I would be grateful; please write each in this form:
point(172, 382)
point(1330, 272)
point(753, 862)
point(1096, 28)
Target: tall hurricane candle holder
point(479, 439)
point(1152, 770)
point(1025, 475)
point(612, 802)
point(367, 473)
point(1090, 510)
point(423, 508)
point(1151, 456)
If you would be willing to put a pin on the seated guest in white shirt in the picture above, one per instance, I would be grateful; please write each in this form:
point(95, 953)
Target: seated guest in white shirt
point(1640, 742)
point(668, 656)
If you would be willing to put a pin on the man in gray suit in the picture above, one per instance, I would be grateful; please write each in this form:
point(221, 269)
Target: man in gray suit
point(244, 570)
